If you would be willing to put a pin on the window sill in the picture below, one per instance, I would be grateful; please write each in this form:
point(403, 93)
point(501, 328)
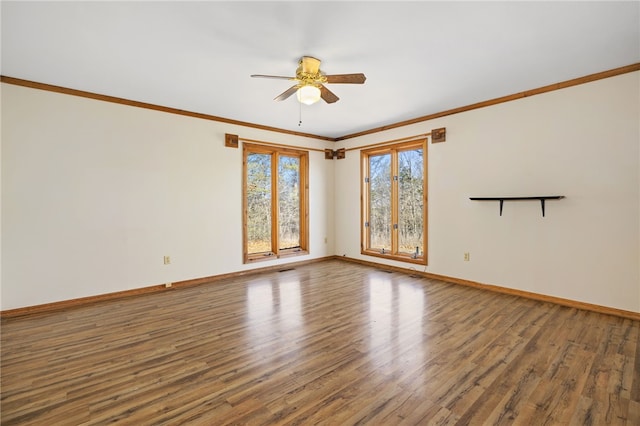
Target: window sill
point(292, 253)
point(261, 257)
point(421, 260)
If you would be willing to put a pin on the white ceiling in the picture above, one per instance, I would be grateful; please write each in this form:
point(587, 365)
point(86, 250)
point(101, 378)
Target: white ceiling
point(419, 57)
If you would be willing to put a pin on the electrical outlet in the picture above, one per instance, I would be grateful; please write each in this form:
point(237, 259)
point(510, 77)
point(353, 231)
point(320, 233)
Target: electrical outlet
point(466, 257)
point(167, 260)
point(167, 285)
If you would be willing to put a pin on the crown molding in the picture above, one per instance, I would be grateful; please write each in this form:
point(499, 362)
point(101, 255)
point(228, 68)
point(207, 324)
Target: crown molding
point(106, 98)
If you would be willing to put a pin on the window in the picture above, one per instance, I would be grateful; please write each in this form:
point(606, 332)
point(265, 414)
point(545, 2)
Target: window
point(275, 202)
point(394, 202)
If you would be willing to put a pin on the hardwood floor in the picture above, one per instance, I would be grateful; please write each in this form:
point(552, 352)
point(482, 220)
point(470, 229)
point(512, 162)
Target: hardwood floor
point(327, 343)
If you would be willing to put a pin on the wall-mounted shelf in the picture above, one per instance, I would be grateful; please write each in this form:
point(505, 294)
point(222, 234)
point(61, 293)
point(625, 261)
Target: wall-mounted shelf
point(542, 199)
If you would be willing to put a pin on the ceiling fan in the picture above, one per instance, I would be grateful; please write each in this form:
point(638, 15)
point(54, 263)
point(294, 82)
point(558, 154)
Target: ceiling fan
point(310, 82)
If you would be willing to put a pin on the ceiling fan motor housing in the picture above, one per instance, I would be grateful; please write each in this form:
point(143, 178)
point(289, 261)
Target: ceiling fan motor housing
point(308, 72)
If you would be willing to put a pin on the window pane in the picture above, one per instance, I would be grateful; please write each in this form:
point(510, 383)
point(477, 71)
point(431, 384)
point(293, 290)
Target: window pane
point(288, 202)
point(258, 203)
point(410, 201)
point(380, 202)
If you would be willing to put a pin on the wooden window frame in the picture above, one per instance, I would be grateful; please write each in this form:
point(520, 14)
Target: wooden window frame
point(276, 252)
point(394, 254)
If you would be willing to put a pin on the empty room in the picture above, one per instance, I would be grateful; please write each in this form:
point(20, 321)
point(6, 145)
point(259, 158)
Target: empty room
point(337, 213)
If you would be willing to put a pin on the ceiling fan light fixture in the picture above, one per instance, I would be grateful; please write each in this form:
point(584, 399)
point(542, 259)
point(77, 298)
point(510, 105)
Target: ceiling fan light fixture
point(308, 95)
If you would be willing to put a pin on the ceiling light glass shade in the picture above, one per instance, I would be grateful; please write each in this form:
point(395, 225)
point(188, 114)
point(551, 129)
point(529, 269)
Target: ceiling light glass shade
point(308, 95)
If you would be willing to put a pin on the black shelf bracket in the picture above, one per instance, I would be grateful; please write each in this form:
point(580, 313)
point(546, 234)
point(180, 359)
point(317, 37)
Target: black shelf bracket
point(542, 199)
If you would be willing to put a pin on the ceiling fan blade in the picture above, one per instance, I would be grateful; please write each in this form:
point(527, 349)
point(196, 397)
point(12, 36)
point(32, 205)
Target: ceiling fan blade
point(284, 95)
point(346, 78)
point(280, 77)
point(328, 96)
point(310, 64)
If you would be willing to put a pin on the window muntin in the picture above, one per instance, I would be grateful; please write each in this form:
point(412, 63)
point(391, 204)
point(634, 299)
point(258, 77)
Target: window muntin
point(275, 202)
point(394, 207)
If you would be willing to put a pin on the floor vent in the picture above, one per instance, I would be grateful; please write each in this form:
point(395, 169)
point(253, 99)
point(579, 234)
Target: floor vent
point(285, 270)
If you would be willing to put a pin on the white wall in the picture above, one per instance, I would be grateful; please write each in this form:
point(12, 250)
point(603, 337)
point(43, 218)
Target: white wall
point(581, 142)
point(94, 194)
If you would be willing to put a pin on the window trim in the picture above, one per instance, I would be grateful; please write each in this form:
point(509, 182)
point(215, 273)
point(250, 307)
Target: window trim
point(276, 252)
point(365, 200)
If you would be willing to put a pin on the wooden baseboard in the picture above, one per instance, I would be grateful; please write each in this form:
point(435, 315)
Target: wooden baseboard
point(82, 301)
point(504, 290)
point(68, 304)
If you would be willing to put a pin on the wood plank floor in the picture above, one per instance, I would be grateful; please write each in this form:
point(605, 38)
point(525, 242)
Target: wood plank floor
point(331, 343)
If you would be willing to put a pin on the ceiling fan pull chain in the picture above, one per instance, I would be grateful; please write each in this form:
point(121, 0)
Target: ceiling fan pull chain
point(300, 114)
